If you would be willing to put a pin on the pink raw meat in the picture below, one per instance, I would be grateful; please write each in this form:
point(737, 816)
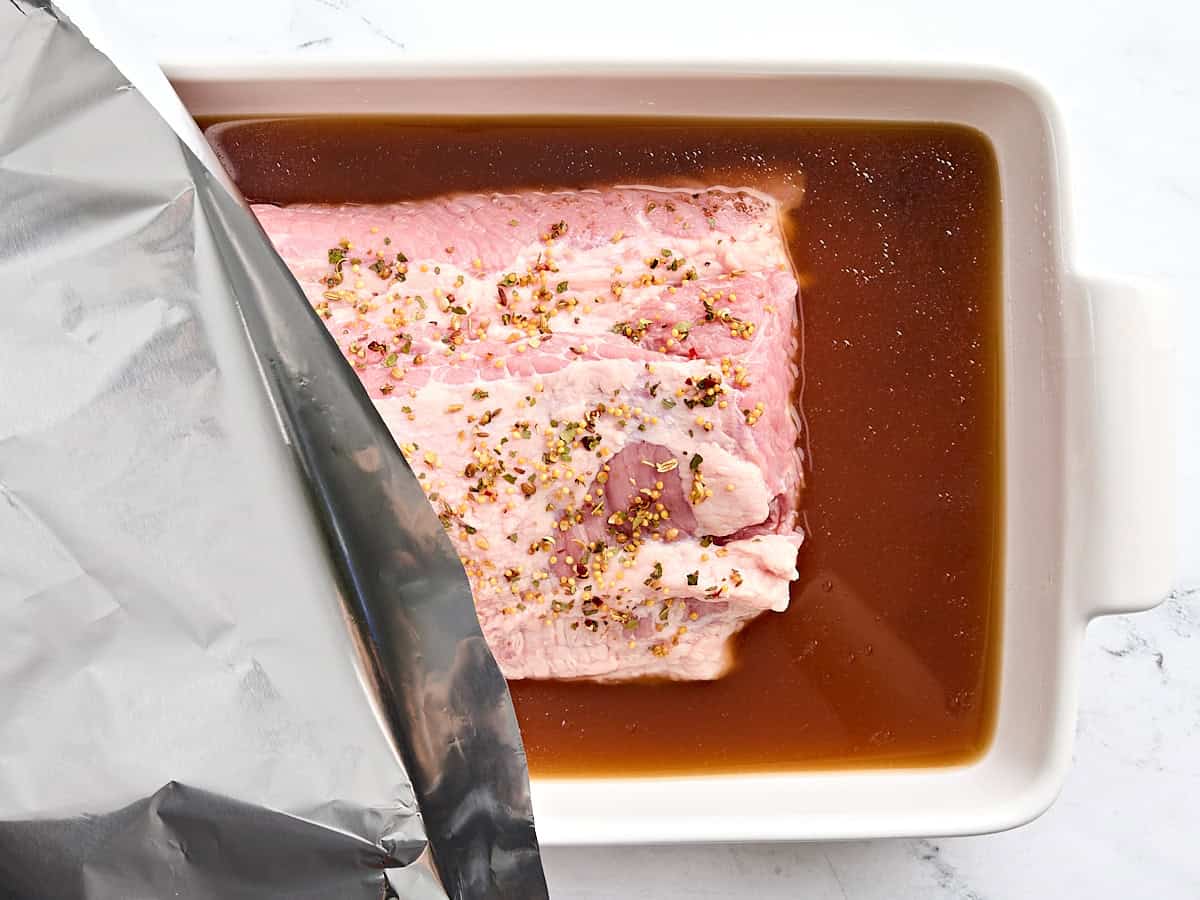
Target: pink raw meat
point(596, 391)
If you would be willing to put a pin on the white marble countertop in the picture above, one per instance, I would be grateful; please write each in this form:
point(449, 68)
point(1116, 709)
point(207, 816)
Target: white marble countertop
point(1127, 80)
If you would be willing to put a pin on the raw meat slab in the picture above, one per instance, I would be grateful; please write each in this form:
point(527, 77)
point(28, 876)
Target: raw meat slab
point(596, 389)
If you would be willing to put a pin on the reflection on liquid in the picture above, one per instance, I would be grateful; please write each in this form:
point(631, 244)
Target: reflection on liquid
point(879, 664)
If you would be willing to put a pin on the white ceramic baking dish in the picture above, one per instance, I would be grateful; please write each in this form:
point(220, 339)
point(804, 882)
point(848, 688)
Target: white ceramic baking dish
point(1088, 449)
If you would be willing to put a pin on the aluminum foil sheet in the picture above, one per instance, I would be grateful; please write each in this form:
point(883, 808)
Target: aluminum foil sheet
point(238, 657)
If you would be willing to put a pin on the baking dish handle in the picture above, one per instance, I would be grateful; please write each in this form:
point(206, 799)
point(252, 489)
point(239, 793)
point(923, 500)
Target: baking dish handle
point(1127, 448)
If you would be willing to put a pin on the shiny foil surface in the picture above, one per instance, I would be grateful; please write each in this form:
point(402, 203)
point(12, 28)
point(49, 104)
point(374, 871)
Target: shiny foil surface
point(238, 656)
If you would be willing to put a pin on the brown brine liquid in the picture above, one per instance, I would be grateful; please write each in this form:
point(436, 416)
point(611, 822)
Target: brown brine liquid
point(889, 650)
